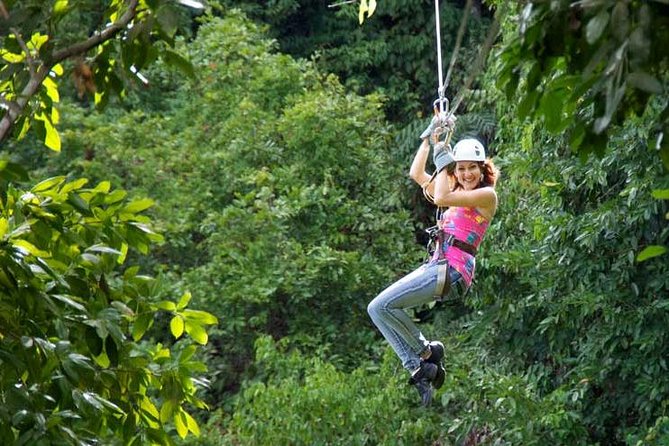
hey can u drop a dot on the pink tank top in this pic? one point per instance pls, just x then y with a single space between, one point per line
467 225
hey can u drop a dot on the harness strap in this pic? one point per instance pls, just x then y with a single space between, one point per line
463 246
448 239
443 281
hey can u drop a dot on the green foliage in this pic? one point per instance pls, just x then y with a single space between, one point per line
39 42
562 289
393 52
303 399
76 365
322 405
584 67
279 194
278 233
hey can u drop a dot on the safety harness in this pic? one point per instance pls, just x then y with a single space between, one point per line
440 240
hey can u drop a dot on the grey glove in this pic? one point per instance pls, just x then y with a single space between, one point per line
434 123
440 121
442 156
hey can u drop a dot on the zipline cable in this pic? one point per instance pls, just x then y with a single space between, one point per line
440 89
478 63
458 42
443 84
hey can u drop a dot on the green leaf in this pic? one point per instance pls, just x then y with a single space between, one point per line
183 302
197 332
166 411
527 104
551 108
177 326
181 424
49 183
73 185
29 248
104 249
662 194
52 91
168 21
200 316
4 227
166 305
650 251
620 21
192 424
69 301
150 412
142 323
137 206
60 7
52 139
78 203
115 196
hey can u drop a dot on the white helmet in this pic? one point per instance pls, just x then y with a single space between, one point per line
469 149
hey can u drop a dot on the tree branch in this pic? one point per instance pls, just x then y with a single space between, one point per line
8 105
99 37
42 70
24 47
3 11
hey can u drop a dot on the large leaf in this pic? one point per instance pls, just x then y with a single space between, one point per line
650 251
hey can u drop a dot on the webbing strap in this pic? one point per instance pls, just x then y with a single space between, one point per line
443 281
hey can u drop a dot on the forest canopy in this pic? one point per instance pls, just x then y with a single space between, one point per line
194 265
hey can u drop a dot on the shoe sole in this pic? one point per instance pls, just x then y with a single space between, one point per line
439 378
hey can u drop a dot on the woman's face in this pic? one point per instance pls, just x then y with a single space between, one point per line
468 174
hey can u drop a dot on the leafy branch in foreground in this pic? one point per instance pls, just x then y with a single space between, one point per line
77 367
127 36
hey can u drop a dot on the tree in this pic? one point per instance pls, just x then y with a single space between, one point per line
77 367
275 189
127 35
583 67
393 53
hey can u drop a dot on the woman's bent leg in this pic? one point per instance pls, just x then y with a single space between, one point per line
387 313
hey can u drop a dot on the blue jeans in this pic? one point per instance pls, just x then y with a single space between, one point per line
387 310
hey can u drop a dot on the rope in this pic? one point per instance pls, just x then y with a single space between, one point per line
478 63
458 41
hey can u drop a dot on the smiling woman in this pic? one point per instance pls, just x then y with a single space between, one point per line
468 190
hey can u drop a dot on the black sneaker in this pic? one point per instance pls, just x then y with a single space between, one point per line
436 355
437 349
422 379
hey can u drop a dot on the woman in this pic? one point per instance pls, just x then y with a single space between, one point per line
469 194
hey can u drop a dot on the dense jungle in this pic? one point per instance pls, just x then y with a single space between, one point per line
198 200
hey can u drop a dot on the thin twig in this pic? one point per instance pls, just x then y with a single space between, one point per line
24 47
345 2
3 11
